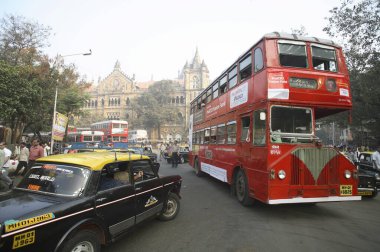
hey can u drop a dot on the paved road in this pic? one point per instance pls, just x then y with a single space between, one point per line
211 219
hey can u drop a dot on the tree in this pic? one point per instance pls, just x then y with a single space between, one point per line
28 79
357 24
152 107
21 40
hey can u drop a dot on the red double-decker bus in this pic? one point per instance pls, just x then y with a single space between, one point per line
254 126
85 137
114 130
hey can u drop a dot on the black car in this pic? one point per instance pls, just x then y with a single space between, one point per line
365 166
183 156
78 202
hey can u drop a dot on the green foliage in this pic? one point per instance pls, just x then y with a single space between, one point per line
153 108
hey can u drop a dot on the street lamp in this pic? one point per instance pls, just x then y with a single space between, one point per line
58 63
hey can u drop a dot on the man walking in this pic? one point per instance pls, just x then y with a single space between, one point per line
5 165
22 159
36 151
175 155
376 158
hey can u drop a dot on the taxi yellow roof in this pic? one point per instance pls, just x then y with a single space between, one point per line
93 160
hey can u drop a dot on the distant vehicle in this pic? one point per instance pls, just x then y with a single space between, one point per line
138 136
183 155
114 130
365 166
79 202
85 137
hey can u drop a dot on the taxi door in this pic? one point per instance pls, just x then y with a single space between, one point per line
114 201
149 195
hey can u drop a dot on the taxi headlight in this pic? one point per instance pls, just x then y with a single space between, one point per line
347 174
281 174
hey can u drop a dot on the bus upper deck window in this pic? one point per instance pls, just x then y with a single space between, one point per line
292 54
324 58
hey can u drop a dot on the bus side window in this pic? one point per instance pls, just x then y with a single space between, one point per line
223 85
231 132
259 63
259 124
245 67
245 123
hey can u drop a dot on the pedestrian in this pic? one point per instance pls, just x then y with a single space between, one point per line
175 155
162 151
376 158
5 165
22 158
350 154
36 151
46 149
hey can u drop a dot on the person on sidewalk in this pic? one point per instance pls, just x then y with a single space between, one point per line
36 151
22 158
5 165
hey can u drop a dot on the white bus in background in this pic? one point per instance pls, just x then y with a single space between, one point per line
138 136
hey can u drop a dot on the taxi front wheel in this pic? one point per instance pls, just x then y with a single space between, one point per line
171 208
82 241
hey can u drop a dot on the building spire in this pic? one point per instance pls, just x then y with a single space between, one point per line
117 65
197 59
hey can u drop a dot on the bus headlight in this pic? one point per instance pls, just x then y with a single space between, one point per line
347 174
281 174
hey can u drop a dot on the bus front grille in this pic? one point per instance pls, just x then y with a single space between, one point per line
312 166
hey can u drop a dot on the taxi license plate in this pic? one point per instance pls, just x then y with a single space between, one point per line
345 190
23 239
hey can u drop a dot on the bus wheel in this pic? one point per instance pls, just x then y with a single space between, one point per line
241 189
197 169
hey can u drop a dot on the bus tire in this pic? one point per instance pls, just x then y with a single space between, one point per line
197 168
241 189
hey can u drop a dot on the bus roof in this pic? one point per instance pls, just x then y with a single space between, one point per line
283 35
110 121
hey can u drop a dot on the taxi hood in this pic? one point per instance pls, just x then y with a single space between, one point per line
18 205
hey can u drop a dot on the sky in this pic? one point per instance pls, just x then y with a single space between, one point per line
153 39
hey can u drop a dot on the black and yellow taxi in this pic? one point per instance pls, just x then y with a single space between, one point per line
79 202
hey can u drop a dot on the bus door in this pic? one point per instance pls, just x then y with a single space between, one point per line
244 140
259 153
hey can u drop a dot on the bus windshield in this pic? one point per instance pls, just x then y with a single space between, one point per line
55 179
291 124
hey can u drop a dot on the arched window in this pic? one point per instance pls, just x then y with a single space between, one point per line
96 103
92 103
177 100
128 101
173 100
118 101
182 100
102 102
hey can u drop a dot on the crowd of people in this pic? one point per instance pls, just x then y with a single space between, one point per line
24 156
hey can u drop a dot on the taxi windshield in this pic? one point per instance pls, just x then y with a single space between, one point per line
55 179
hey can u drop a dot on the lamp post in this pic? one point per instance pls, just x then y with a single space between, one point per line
58 63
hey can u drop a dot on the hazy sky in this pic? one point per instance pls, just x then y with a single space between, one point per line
157 37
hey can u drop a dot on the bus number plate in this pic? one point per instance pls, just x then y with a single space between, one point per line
345 190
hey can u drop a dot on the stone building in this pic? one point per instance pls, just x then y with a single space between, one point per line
111 98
